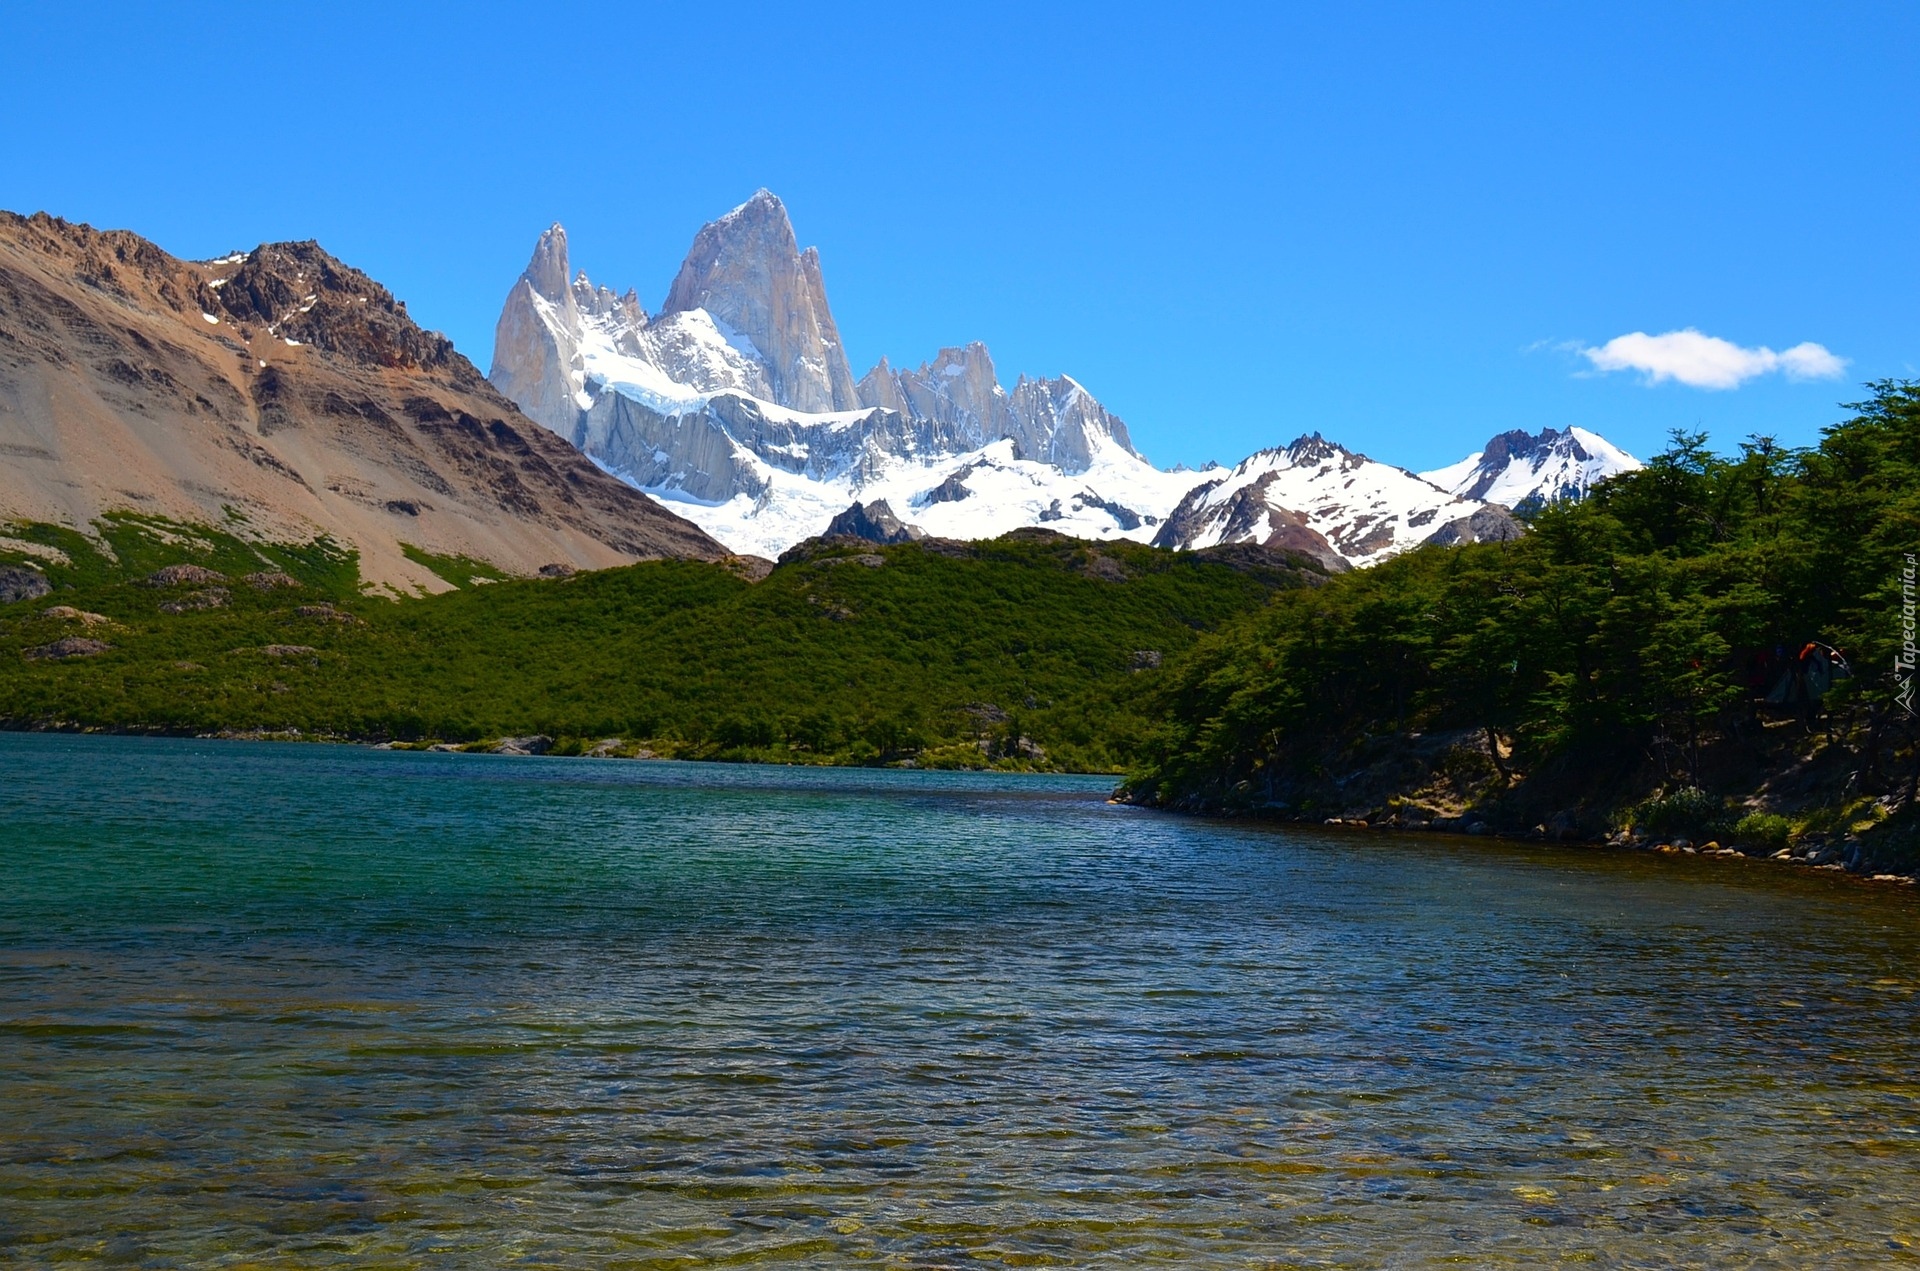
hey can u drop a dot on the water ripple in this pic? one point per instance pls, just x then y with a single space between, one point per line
302 1006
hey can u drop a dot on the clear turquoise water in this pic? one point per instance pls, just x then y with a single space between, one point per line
306 1006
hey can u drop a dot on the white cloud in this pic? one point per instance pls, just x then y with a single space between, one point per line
1706 361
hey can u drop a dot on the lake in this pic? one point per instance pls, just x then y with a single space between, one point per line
280 1005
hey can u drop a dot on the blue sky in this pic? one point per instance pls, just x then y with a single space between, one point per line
1398 224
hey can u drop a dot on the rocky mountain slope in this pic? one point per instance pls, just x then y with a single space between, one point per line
284 392
736 405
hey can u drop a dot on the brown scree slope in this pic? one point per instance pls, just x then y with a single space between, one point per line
289 388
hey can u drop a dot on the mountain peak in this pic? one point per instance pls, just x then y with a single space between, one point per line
762 202
298 292
1518 468
546 273
876 522
747 270
1313 448
738 397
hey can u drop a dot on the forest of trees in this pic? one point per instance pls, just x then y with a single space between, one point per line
1026 652
1685 633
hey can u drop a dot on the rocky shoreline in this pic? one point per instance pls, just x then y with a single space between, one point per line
1844 854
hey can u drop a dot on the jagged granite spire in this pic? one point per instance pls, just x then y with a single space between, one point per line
956 395
547 271
747 270
533 353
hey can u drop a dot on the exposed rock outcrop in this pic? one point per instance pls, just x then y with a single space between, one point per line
1489 524
66 648
183 576
67 613
17 583
195 601
874 522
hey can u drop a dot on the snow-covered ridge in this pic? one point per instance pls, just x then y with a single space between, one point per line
1321 498
1519 469
734 406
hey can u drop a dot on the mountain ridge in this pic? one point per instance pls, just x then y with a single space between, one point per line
730 405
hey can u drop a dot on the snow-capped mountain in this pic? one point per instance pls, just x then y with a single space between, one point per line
1323 499
735 405
1521 470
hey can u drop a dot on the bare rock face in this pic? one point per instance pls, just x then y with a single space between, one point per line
747 270
956 397
957 405
1057 421
532 362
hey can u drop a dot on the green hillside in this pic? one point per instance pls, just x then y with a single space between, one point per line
1033 650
